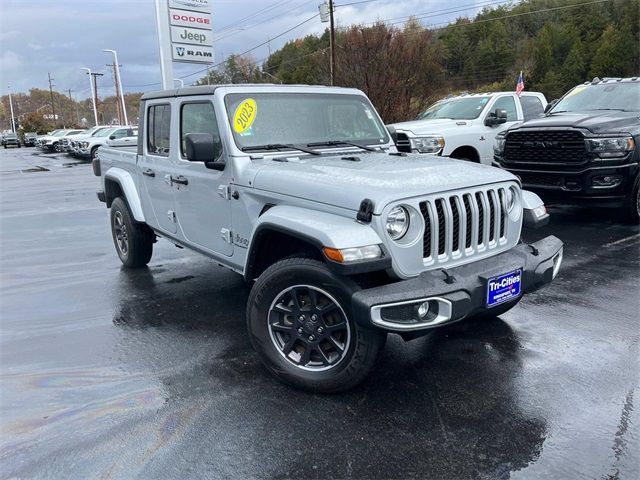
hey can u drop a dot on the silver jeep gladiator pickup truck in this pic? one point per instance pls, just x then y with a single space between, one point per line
302 190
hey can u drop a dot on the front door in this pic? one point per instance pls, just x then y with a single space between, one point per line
155 167
202 200
505 102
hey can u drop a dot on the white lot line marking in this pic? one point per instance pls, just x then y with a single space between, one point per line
622 240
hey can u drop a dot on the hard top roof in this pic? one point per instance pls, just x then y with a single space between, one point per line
210 89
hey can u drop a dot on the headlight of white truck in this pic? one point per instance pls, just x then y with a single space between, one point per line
84 144
611 147
428 144
397 222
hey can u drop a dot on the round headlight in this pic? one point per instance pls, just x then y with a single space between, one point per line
397 222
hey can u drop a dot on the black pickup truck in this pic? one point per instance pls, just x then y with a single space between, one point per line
584 150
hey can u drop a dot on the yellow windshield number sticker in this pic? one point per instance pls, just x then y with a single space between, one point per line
244 115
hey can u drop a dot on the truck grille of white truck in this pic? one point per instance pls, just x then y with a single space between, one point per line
461 224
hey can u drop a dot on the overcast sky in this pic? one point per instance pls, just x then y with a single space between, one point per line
60 37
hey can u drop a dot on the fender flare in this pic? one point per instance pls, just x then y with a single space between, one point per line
128 187
319 229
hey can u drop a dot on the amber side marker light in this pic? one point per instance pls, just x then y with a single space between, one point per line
356 254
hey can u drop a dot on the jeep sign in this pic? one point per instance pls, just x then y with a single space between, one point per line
191 36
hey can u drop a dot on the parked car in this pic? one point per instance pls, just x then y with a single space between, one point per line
72 140
29 139
585 150
52 142
88 147
465 126
10 140
302 190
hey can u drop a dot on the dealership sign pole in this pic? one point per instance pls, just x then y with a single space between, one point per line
184 34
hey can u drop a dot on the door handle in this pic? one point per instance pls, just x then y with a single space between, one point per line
149 173
180 180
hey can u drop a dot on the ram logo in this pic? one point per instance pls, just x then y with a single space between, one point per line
180 51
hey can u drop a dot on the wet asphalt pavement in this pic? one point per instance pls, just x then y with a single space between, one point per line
109 373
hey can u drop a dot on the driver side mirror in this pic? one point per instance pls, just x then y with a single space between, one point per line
496 118
550 105
200 147
112 137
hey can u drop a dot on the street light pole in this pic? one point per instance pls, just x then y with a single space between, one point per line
93 94
332 42
119 91
13 120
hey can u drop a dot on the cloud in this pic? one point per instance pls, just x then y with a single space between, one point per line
40 36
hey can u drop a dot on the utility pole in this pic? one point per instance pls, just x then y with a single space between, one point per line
53 109
76 105
115 82
118 81
93 89
332 41
13 120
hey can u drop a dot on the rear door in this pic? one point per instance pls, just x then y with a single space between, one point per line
202 197
155 166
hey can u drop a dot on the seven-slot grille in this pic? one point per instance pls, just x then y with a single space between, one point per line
555 147
464 222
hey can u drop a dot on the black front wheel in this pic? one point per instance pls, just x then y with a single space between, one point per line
633 206
299 322
133 241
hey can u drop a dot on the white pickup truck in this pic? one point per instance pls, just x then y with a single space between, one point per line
301 189
465 126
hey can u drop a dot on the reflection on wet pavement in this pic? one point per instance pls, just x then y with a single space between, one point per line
114 373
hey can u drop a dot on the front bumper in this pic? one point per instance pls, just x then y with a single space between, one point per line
578 187
461 291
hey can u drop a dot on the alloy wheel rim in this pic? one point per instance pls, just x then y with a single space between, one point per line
120 229
309 328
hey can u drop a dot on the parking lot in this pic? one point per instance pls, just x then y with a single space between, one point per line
112 373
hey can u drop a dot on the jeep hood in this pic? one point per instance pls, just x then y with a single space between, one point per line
596 121
380 177
435 126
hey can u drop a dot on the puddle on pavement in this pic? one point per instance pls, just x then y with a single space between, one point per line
37 168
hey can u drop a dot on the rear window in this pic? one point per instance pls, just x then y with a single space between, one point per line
158 121
531 106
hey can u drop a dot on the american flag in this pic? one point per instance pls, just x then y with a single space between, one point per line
520 85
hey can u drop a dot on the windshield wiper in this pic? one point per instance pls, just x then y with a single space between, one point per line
332 143
280 146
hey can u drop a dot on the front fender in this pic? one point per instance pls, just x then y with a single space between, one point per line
326 229
128 187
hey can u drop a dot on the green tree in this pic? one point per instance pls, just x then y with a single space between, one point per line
615 54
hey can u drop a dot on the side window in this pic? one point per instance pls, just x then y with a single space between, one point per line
508 104
120 133
199 117
158 123
531 106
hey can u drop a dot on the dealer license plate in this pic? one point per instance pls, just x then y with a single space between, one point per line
503 288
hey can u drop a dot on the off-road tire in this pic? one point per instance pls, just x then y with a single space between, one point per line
94 153
360 352
138 236
632 214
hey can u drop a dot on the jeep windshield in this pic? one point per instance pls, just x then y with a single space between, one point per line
300 120
466 108
624 96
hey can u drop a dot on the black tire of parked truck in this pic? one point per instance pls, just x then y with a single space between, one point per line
94 153
133 240
632 213
299 322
